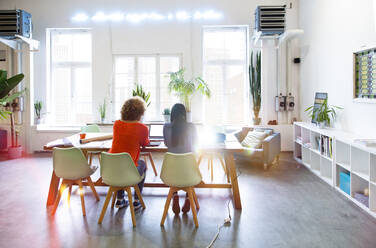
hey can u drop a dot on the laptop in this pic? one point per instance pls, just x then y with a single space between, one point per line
155 134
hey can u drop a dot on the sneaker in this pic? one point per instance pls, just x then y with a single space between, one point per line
121 203
187 206
175 204
137 205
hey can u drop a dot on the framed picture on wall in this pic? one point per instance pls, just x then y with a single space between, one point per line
320 97
364 88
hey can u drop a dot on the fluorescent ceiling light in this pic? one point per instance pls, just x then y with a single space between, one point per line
182 15
116 17
80 17
136 18
207 15
99 16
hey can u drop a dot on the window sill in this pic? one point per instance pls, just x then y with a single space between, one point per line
56 129
364 100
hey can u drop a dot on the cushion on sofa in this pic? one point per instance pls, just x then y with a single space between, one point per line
254 139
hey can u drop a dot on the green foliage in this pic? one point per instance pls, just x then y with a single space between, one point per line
38 107
166 111
6 86
255 82
185 89
102 109
139 91
324 114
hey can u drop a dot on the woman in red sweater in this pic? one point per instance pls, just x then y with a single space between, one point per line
129 135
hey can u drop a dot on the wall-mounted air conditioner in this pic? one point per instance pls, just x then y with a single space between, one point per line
15 22
270 20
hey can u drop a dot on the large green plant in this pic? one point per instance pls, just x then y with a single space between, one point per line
185 89
6 98
324 114
139 91
255 85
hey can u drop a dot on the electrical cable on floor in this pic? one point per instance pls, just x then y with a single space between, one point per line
226 222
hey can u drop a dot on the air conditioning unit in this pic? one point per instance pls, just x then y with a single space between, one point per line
15 22
270 20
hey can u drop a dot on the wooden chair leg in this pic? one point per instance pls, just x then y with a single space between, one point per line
167 205
90 158
195 199
108 197
152 164
61 190
211 168
79 182
69 194
191 199
91 184
137 190
129 192
113 199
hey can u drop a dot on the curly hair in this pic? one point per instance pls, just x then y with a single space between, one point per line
133 109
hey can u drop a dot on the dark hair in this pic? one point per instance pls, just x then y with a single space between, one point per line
133 109
179 124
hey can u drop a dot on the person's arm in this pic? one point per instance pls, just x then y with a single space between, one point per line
145 137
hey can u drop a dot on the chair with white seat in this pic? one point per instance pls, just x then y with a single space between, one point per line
120 173
71 165
181 172
92 128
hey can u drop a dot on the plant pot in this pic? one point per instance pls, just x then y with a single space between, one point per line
37 121
256 121
15 152
102 120
166 118
189 116
322 125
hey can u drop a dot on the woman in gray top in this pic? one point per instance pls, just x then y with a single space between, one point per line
179 137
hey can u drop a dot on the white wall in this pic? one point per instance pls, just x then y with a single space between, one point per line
333 30
147 37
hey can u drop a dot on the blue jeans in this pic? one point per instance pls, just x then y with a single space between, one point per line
142 170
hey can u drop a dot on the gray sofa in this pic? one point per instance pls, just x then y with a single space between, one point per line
270 150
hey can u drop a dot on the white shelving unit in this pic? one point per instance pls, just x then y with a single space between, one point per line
344 155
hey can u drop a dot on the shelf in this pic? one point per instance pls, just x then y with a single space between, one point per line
327 179
315 151
345 166
327 158
298 142
361 175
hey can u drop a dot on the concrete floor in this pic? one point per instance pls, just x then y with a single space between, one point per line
286 206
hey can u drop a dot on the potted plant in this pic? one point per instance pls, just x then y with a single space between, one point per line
38 107
255 86
102 110
324 115
184 89
139 91
166 115
6 101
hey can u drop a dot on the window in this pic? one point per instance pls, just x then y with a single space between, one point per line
70 87
150 71
225 56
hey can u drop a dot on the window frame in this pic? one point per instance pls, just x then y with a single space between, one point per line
246 94
136 56
50 65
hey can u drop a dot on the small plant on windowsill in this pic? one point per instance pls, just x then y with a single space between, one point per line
324 115
139 91
102 110
38 107
166 115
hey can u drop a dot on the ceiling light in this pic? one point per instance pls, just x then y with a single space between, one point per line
182 15
99 16
81 17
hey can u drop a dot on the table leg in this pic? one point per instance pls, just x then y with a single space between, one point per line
54 187
230 164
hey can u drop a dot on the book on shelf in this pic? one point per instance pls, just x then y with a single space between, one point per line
326 146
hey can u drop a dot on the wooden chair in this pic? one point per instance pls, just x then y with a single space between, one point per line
93 128
71 165
120 173
147 155
180 172
211 156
